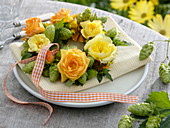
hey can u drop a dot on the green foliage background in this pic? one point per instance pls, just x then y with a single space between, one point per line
100 4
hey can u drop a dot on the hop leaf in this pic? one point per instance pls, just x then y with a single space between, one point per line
160 99
141 109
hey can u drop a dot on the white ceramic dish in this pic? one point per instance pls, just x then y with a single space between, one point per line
124 85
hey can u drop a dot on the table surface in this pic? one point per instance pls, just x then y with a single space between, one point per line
14 115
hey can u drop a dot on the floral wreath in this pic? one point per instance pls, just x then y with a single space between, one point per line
72 64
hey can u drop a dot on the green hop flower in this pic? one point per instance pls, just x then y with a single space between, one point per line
28 67
153 122
53 73
126 122
141 109
65 34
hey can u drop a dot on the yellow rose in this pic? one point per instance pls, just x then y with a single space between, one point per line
101 48
91 29
37 42
73 64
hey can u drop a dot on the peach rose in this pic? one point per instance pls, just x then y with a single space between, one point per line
62 14
73 64
33 26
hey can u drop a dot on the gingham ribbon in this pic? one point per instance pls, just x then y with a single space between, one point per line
55 96
20 101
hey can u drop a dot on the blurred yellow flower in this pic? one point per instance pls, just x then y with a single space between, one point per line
37 42
101 48
122 4
91 29
142 11
160 25
155 2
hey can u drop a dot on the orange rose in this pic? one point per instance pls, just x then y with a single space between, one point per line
73 64
62 14
33 26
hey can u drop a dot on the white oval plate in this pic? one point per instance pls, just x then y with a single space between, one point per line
124 85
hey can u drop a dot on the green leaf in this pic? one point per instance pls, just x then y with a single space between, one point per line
26 56
69 83
24 51
112 33
25 44
91 61
138 117
66 47
165 123
105 71
59 25
143 124
164 113
103 19
53 47
160 99
118 42
56 38
99 77
109 76
77 83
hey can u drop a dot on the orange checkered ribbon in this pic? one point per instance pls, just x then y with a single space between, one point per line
55 96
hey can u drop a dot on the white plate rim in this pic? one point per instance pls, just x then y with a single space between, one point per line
78 105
